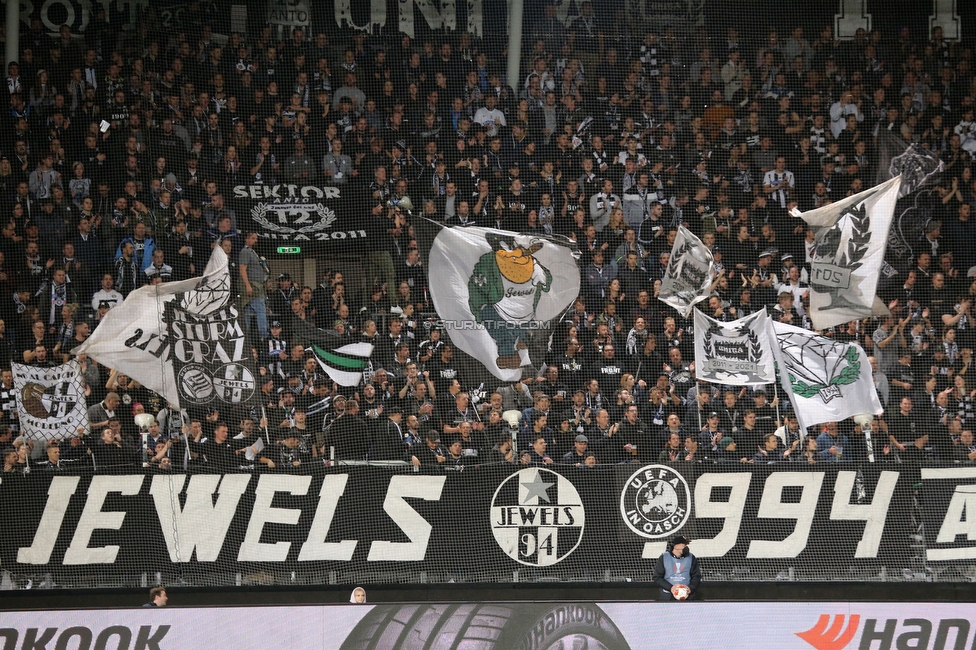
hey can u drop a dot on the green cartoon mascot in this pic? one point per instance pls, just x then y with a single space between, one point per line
503 292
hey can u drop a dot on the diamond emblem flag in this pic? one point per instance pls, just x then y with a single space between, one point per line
827 381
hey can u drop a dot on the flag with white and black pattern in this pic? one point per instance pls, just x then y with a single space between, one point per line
50 401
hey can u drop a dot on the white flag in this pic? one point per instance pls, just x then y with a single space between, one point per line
50 401
736 353
490 287
827 381
688 278
847 258
183 340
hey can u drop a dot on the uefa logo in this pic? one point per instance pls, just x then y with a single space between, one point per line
656 501
537 517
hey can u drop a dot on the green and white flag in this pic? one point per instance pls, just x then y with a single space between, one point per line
737 353
827 381
848 254
343 362
688 278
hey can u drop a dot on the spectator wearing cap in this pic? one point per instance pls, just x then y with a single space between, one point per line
292 449
430 453
762 280
728 452
711 432
790 434
280 299
456 455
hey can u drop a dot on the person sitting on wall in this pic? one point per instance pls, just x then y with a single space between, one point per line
677 566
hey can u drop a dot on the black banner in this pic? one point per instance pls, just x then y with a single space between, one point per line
370 524
949 513
308 217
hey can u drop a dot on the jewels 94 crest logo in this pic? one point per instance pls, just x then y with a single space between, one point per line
656 501
537 517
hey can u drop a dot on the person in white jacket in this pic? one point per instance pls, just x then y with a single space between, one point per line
602 204
847 105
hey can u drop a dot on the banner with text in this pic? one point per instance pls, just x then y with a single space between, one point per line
293 215
549 523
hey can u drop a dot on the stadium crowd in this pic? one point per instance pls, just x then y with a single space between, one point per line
119 160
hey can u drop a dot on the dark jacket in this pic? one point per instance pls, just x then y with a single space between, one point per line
658 576
350 438
387 442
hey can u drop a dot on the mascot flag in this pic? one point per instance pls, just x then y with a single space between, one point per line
848 255
50 401
827 381
492 287
735 353
184 340
690 273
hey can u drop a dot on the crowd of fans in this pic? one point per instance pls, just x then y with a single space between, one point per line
119 161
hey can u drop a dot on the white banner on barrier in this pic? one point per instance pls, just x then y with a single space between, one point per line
728 625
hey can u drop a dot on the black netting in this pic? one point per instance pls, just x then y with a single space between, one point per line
326 161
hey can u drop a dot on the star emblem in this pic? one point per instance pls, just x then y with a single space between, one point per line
536 488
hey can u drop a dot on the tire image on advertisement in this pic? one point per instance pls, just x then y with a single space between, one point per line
522 626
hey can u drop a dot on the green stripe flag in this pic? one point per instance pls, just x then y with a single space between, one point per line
343 362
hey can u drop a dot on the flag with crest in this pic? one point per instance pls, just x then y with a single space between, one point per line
688 278
848 255
50 401
735 353
184 340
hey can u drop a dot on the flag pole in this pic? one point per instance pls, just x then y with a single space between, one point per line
698 406
186 443
267 436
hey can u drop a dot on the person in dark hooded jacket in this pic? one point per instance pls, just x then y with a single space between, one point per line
677 566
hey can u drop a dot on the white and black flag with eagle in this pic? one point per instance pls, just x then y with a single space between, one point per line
688 278
736 353
50 401
848 255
